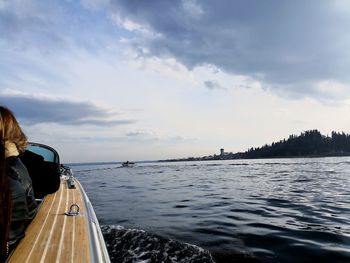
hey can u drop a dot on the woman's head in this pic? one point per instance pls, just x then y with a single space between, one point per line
10 129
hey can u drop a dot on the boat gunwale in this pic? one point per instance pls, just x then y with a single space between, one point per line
98 249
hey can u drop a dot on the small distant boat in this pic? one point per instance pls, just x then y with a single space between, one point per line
128 164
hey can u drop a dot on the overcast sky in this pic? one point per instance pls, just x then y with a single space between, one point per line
108 80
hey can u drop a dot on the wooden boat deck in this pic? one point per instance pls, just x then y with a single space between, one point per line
54 237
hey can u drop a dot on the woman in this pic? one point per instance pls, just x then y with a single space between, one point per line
18 206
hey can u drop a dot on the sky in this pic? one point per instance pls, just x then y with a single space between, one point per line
112 80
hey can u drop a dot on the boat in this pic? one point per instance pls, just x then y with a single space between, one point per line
65 228
128 164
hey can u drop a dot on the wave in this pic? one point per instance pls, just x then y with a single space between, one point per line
132 245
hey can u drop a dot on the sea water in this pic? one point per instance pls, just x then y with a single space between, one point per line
267 210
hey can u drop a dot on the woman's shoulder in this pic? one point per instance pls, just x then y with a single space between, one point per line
14 162
16 169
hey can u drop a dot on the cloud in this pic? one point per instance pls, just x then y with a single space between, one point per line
213 85
54 26
288 46
39 109
157 136
23 22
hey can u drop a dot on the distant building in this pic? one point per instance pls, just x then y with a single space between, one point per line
222 151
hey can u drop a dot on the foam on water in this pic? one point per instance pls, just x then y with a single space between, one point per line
132 245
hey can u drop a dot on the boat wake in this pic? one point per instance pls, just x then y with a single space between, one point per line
131 245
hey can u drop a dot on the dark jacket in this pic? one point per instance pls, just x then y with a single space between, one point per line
24 206
45 175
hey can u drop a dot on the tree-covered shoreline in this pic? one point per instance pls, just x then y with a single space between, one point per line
308 144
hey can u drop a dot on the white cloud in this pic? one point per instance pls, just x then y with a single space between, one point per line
163 66
193 8
332 89
132 26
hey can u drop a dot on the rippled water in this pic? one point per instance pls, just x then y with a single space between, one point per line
280 210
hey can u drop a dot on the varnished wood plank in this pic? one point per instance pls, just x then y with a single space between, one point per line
52 246
81 241
66 242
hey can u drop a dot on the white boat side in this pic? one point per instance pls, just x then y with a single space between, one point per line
98 250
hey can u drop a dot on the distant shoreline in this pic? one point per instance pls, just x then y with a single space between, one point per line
197 159
309 144
193 159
